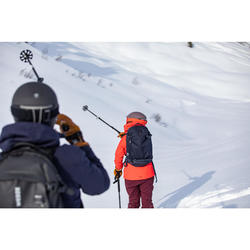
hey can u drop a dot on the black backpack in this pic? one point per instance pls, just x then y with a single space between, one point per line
29 178
138 146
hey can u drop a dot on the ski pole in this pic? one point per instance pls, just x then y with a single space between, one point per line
86 108
119 190
26 56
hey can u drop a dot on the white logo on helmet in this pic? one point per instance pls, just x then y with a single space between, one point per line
36 95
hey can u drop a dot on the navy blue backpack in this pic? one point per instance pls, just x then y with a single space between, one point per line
138 146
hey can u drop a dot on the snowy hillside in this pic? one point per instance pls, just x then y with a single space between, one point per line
197 101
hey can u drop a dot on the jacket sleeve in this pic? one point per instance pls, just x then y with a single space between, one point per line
119 153
81 167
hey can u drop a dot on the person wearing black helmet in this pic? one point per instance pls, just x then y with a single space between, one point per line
35 102
35 110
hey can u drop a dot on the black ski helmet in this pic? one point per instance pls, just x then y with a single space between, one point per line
35 102
137 115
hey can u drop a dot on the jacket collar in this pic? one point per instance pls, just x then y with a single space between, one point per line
133 122
39 134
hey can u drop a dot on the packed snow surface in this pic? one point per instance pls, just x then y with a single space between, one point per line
197 101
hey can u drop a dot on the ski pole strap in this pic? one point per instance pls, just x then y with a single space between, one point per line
116 180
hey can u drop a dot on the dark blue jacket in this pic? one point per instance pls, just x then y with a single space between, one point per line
78 167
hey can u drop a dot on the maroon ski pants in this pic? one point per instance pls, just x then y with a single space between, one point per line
140 189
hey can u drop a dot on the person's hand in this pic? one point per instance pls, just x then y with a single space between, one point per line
70 130
121 134
117 173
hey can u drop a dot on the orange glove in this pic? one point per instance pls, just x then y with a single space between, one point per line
121 134
117 173
70 130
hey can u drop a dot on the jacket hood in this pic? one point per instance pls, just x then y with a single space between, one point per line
36 133
132 122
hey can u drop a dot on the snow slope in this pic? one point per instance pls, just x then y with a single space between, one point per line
197 102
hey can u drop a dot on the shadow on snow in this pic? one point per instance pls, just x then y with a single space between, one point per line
62 48
181 193
89 68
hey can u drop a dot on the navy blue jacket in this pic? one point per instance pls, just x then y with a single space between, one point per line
78 167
